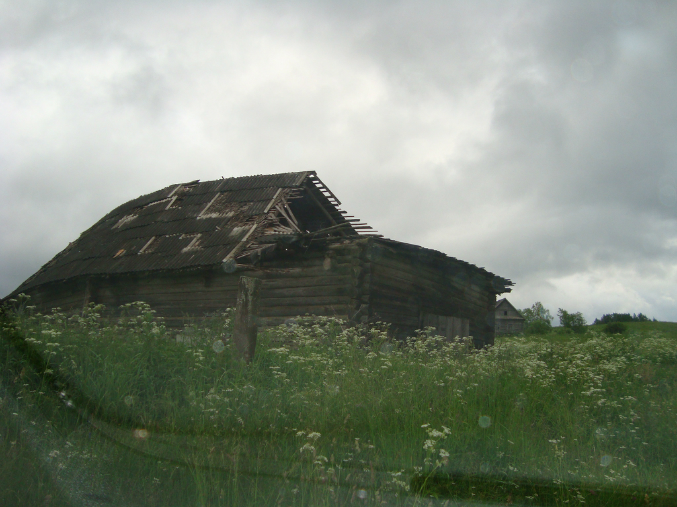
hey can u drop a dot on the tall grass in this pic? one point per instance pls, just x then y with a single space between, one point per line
329 414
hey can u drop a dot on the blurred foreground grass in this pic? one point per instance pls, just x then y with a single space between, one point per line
95 412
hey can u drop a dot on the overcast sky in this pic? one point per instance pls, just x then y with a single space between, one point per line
536 139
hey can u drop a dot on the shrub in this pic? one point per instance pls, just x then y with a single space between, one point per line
538 327
615 328
536 319
574 321
608 318
536 313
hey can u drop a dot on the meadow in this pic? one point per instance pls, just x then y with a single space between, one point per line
97 411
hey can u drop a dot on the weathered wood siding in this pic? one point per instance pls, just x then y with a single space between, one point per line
316 282
68 295
361 280
406 283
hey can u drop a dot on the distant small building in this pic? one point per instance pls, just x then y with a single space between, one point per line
508 319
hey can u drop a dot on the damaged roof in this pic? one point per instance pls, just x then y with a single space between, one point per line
200 224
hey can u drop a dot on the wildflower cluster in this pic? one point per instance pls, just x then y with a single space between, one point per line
345 400
434 456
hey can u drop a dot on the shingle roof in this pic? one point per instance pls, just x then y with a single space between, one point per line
193 224
201 224
505 300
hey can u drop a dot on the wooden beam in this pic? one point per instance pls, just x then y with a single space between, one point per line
246 311
233 253
322 208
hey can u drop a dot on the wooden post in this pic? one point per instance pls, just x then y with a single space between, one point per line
246 311
88 293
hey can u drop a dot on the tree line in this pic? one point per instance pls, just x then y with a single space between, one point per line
537 320
608 318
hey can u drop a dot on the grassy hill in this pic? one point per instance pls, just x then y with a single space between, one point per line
669 329
329 414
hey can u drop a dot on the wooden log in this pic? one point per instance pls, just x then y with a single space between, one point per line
87 293
449 304
281 281
306 262
427 272
65 302
181 291
392 287
432 265
294 311
302 272
310 281
309 291
179 280
397 319
246 311
408 280
305 301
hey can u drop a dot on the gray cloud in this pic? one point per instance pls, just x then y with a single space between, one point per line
535 139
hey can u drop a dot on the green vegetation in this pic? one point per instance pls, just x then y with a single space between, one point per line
574 321
536 319
539 327
622 317
329 414
615 328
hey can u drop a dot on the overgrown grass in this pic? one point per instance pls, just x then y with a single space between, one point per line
332 414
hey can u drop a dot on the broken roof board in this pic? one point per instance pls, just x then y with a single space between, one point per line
200 224
183 226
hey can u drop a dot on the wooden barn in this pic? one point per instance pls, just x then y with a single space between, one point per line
183 249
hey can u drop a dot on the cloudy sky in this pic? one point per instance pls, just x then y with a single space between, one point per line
536 139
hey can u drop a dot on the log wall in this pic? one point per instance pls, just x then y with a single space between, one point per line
407 284
316 282
360 280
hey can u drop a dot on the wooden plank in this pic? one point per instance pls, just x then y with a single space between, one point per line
392 287
426 272
282 281
409 281
305 262
320 295
397 319
448 304
310 192
310 291
305 301
301 272
169 290
152 278
218 281
310 281
246 312
65 302
394 307
293 311
433 270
